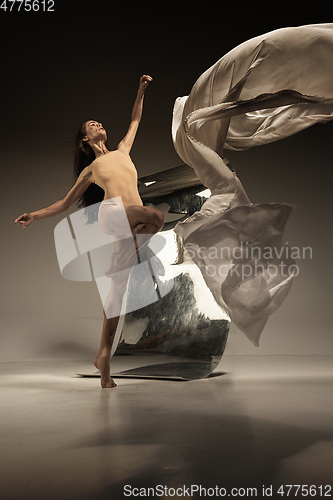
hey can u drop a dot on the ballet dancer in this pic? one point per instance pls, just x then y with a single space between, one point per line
121 213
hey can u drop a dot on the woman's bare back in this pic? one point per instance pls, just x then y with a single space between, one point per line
116 174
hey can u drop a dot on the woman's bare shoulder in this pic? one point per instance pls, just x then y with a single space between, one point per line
88 171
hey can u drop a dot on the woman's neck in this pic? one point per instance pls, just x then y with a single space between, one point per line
99 149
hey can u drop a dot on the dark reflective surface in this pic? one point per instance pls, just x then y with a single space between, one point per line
183 334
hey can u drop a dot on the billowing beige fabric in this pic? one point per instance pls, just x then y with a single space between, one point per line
267 88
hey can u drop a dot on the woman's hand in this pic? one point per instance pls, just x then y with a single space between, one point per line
144 82
25 220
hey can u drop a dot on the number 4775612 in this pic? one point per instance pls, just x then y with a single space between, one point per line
305 490
27 5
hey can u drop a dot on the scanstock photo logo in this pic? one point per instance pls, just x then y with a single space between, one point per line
86 253
249 260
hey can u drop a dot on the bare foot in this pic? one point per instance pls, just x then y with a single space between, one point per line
102 363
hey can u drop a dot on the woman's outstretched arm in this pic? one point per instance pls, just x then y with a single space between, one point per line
126 144
82 183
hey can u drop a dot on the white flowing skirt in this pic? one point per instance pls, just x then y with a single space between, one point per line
267 88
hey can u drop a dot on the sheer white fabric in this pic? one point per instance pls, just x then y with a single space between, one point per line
267 88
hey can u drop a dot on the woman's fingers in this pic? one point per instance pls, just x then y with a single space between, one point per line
23 220
145 79
19 219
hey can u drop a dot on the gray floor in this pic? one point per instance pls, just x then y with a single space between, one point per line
260 420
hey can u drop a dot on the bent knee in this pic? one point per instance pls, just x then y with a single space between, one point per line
156 222
150 220
159 219
155 219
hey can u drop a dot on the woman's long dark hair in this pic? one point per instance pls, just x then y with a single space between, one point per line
84 155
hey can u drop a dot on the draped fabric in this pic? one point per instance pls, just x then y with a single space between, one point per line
267 88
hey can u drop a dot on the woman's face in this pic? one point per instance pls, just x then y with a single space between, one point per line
95 131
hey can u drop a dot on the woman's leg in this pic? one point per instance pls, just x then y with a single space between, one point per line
111 312
144 222
102 358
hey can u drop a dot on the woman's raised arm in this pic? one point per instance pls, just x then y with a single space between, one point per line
126 144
